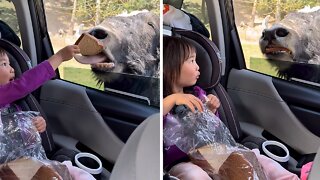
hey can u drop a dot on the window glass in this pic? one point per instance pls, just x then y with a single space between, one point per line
8 15
198 9
131 44
280 37
194 16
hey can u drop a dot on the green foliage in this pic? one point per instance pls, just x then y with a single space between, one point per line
269 7
8 15
198 9
195 9
86 9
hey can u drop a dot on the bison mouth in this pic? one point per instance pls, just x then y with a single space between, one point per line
103 61
275 50
278 52
106 61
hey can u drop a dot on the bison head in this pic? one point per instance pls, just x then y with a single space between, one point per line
131 46
295 38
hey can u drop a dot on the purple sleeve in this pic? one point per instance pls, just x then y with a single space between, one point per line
26 83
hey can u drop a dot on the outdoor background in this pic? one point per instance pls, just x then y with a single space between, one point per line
250 17
67 19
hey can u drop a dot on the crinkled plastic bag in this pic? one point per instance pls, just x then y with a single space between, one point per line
19 137
210 145
21 150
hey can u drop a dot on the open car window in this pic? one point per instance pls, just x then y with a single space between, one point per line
8 16
130 33
280 38
188 14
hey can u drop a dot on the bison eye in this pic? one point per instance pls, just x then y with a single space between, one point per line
99 33
151 24
281 32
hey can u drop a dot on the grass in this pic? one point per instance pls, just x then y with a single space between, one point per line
81 76
256 61
262 65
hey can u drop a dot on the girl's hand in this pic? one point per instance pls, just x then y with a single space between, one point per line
68 52
63 54
190 101
39 123
213 103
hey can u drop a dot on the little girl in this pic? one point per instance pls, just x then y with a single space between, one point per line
12 89
180 70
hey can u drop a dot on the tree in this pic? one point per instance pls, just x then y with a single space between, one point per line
279 8
253 13
278 13
93 11
73 17
97 19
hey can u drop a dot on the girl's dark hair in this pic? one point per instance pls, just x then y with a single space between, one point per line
2 52
175 51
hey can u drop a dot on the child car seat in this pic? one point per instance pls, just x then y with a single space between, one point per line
8 34
20 62
209 61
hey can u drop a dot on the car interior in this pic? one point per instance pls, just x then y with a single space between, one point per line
79 118
267 108
121 130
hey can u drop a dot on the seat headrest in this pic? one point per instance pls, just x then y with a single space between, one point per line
19 60
208 57
8 34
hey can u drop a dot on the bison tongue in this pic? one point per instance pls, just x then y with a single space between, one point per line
90 59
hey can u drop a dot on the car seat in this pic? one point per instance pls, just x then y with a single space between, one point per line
20 62
209 61
139 158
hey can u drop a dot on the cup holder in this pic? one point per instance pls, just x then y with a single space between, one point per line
89 163
276 151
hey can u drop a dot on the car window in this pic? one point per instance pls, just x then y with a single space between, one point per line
129 30
188 14
8 15
199 10
279 38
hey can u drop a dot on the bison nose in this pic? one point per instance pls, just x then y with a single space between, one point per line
281 32
268 35
99 33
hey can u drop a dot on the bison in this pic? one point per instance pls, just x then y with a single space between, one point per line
131 55
292 46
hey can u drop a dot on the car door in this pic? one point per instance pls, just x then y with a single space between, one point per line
269 104
82 113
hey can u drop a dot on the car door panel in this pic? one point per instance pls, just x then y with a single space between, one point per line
258 102
303 102
120 114
71 113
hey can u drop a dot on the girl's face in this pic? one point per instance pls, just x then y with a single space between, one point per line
189 72
6 71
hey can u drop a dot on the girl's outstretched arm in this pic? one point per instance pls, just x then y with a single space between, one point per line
63 54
